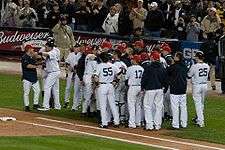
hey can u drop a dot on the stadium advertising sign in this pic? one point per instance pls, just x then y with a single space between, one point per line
15 39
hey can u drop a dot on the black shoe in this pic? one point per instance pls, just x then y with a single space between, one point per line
213 87
103 126
116 126
194 120
36 106
66 105
83 114
27 108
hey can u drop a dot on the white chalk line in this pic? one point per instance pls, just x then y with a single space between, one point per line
96 135
132 134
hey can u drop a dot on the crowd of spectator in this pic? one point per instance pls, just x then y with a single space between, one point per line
189 20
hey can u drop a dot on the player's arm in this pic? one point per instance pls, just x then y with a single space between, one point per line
190 74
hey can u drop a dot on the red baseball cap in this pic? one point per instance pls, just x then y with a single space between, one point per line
121 47
144 56
136 58
27 47
139 43
166 48
88 49
106 45
155 55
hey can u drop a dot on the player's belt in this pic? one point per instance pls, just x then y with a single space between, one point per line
203 83
135 85
105 82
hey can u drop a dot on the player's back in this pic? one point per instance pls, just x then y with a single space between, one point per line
199 73
134 75
106 72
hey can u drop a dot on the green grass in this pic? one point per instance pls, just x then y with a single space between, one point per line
65 143
11 97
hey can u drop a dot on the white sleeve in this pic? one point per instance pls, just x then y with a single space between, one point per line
127 74
116 69
68 59
52 54
97 72
191 72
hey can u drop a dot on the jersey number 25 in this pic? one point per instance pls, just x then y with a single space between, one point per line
203 72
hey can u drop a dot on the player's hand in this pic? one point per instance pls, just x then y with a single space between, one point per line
82 83
141 93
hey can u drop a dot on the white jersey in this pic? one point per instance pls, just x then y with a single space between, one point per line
106 72
134 75
123 68
52 61
90 64
163 62
199 73
72 59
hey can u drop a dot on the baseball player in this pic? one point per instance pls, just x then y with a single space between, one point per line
120 90
177 74
134 75
71 62
29 77
105 74
166 52
90 69
153 82
52 55
199 75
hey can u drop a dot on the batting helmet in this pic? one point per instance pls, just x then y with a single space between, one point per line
50 42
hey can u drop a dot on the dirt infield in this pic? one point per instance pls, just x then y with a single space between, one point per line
33 124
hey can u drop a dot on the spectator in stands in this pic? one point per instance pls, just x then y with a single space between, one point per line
210 23
82 15
70 9
167 8
210 49
97 17
110 25
20 4
53 16
177 12
181 29
193 30
43 10
10 17
64 38
138 15
154 20
27 15
124 23
221 12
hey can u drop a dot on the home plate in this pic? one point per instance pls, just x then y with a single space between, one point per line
7 119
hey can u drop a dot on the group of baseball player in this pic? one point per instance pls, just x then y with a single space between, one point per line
119 84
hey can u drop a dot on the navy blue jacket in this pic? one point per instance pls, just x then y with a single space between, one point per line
27 73
177 78
154 77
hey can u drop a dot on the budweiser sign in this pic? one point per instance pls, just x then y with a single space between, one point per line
21 37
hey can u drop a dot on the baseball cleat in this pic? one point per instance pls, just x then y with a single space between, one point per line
103 126
27 108
66 105
116 126
43 109
36 106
